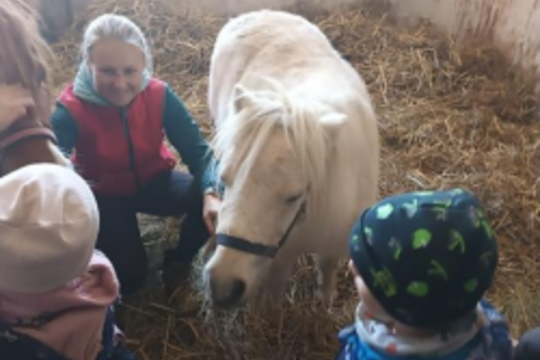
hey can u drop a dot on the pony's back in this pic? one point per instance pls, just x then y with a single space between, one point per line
290 50
282 46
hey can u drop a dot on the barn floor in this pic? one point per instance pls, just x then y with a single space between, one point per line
448 117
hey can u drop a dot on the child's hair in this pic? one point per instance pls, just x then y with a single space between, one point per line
24 55
117 27
427 257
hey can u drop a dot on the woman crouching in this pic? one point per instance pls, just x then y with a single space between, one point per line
113 119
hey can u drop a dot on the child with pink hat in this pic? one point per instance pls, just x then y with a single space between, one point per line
56 292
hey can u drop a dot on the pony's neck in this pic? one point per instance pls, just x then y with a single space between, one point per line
31 151
29 121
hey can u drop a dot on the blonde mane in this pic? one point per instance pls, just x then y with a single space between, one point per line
246 133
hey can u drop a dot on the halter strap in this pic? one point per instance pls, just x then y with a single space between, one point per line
259 249
26 134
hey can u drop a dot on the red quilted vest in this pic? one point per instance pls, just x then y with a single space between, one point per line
120 150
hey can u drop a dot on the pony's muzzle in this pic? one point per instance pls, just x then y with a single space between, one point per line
227 293
233 269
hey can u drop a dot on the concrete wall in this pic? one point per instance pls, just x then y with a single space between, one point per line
512 24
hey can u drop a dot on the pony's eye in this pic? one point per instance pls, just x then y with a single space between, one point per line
225 180
294 198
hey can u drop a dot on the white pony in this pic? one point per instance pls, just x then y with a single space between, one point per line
298 144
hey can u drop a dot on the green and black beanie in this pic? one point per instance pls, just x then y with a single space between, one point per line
427 257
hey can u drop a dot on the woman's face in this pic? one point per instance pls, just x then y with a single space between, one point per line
117 69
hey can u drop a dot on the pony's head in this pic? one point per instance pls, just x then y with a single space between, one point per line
272 151
24 56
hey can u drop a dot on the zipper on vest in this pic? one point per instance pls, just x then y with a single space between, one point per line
131 150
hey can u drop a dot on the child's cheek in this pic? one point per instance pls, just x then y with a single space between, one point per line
372 307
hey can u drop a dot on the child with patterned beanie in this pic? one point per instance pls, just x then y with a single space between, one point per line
528 347
56 292
422 263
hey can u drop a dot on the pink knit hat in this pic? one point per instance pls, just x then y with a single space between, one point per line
49 224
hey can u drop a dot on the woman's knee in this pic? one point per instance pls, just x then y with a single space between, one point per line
528 347
132 283
128 256
131 272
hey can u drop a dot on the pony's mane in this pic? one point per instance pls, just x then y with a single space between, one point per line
25 55
246 133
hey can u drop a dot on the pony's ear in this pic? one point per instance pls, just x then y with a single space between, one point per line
242 98
333 121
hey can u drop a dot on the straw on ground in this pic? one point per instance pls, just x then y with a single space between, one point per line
448 117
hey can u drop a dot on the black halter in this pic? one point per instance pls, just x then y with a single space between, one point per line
259 249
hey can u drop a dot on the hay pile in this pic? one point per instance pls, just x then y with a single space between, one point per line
447 118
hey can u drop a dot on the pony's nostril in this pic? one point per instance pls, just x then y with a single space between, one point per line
229 294
237 290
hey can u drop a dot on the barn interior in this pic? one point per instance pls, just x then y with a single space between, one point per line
451 113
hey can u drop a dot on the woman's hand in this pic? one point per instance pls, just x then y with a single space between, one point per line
211 206
15 102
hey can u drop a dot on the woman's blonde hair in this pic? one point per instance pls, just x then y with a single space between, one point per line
24 55
117 27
